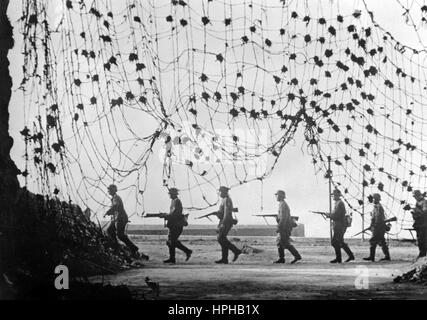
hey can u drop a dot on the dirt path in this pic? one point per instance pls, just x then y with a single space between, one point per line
253 276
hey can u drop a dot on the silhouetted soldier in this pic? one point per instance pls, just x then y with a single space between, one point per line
119 219
284 229
419 215
378 228
338 217
226 222
175 222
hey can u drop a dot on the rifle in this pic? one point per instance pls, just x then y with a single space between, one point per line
215 213
325 215
272 215
369 228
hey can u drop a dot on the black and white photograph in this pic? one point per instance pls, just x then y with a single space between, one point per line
225 151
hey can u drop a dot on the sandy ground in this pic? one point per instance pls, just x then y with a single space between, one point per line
254 276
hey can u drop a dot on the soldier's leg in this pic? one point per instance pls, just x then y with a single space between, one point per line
372 249
294 252
171 247
385 249
233 248
222 240
422 241
178 243
419 241
121 226
228 245
280 250
346 249
287 245
336 245
111 232
425 242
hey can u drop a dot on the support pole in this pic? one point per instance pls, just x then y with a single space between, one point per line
330 192
363 204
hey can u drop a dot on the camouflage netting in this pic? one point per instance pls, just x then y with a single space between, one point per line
417 274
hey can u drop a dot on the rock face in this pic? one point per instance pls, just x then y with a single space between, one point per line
8 171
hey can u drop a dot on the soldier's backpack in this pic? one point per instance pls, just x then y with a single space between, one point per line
294 224
183 222
186 219
348 219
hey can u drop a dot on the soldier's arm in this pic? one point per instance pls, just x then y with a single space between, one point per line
226 210
381 216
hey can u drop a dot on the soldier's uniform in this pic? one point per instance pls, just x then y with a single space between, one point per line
175 223
284 229
420 225
225 224
118 223
378 228
338 217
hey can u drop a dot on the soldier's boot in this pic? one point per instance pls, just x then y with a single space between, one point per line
281 252
349 253
188 254
338 258
295 253
371 254
183 248
386 253
236 251
224 259
237 254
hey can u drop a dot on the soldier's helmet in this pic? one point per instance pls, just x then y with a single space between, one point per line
417 193
173 191
280 192
112 187
376 196
223 189
337 192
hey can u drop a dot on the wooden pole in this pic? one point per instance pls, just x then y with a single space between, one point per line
363 204
330 192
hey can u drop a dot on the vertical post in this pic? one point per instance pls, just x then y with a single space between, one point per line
363 204
330 192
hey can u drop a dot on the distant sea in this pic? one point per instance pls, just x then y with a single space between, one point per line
210 230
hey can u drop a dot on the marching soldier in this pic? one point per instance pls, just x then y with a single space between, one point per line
175 223
284 228
420 222
226 222
119 219
338 216
378 228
